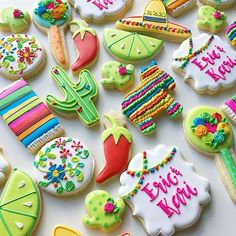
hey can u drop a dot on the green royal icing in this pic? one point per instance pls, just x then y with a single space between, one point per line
20 205
14 20
99 216
79 96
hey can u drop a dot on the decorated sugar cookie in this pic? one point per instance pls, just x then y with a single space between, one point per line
206 62
52 17
178 7
4 167
20 205
79 97
27 116
14 19
116 75
154 21
150 98
219 4
104 212
117 143
61 230
86 42
130 46
229 108
21 56
99 11
209 132
63 166
231 33
163 190
209 19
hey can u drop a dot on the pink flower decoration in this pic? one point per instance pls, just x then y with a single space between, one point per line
211 128
122 70
17 13
50 5
109 207
217 15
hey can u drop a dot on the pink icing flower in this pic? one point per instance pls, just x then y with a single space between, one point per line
50 5
122 70
17 13
217 15
211 128
109 207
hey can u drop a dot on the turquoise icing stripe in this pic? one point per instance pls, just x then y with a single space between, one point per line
40 131
155 19
17 103
15 96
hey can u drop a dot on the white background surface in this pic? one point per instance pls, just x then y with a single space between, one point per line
217 219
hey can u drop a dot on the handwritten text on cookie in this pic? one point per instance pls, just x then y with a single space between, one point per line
101 4
207 62
170 203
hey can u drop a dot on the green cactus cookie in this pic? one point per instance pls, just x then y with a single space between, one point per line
79 96
209 19
117 75
104 212
14 20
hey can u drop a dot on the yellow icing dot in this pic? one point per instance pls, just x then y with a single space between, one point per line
224 127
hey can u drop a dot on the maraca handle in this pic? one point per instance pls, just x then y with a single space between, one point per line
57 42
228 173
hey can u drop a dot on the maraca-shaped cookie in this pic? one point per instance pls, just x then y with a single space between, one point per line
52 17
209 132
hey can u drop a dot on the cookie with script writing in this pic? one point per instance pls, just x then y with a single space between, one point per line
206 62
163 190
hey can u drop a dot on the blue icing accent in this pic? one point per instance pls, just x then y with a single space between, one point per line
232 35
40 131
17 103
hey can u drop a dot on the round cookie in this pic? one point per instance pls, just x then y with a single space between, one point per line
209 19
209 132
104 212
219 4
63 166
14 19
21 56
20 205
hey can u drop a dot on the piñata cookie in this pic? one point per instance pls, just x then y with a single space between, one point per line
229 108
14 19
104 212
20 205
163 190
206 62
209 132
100 11
64 166
231 34
27 116
151 98
21 56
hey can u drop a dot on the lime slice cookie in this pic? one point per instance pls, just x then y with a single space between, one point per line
64 166
130 46
20 205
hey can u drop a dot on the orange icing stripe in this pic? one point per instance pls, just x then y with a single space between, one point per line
176 4
57 45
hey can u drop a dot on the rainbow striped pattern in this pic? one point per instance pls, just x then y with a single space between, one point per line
150 98
27 116
231 33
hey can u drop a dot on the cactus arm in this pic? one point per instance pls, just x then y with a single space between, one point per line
4 24
78 97
107 82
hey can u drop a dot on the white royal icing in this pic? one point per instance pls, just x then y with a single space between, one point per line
98 9
163 212
4 167
211 69
20 54
64 166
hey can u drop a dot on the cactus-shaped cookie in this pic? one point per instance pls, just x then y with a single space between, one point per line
210 19
104 212
14 20
150 98
79 96
117 75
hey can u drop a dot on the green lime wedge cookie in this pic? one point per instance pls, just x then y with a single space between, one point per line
130 46
20 205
